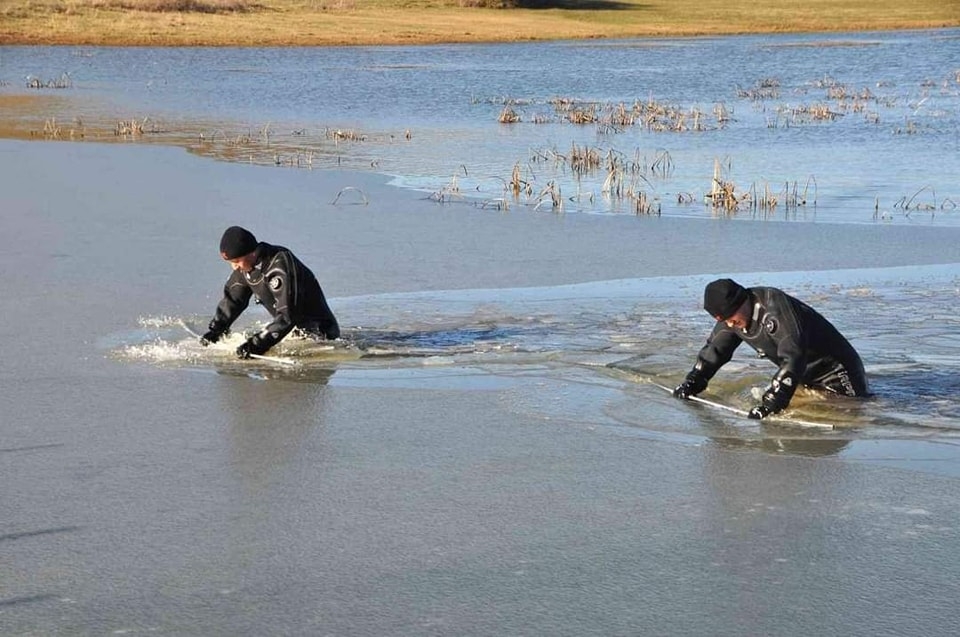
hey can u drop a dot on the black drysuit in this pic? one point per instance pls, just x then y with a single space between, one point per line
806 347
286 288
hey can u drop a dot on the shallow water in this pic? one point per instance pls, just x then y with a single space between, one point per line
472 460
486 451
888 152
616 335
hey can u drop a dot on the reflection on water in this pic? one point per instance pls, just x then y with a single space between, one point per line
312 375
793 446
271 424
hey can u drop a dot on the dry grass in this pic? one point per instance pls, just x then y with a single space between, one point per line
349 22
178 6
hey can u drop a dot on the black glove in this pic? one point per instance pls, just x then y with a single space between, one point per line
253 346
692 385
759 412
214 333
777 396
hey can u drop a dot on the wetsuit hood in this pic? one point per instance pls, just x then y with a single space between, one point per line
723 297
237 242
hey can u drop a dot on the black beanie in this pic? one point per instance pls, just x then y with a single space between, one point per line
723 297
237 242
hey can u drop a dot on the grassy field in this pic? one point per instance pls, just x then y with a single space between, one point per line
355 22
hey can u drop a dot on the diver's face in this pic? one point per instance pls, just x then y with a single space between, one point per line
741 318
244 263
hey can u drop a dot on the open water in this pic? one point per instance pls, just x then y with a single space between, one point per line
841 127
486 453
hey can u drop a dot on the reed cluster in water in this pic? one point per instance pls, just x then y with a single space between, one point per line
626 181
613 118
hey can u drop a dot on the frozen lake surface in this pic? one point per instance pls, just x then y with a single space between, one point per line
485 454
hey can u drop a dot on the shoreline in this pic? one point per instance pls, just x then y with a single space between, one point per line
243 40
272 23
299 142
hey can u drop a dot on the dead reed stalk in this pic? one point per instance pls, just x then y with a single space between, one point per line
51 130
584 160
518 184
722 196
550 192
662 165
908 205
363 196
508 116
450 191
131 128
63 81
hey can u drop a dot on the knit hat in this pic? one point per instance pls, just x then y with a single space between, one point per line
237 242
723 297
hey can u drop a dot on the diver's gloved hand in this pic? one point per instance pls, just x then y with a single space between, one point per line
777 396
253 346
692 385
759 412
214 333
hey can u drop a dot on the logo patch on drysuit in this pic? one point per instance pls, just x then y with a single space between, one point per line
275 283
770 324
777 383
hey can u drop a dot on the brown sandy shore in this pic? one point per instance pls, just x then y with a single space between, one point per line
374 22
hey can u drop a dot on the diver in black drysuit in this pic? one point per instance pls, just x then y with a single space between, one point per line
807 348
280 282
